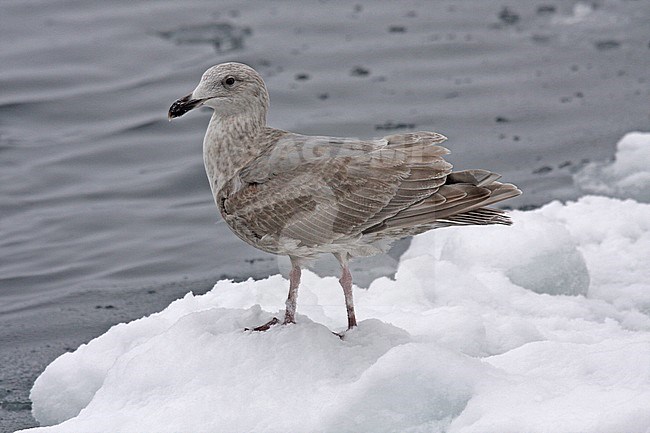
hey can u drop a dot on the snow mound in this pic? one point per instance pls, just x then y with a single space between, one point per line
628 176
542 326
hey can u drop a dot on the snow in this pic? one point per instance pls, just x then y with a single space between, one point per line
628 176
543 326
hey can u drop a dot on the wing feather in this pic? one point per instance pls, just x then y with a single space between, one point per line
319 191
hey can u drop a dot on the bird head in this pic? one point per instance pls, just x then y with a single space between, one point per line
230 89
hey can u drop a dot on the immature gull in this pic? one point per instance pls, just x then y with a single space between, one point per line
302 196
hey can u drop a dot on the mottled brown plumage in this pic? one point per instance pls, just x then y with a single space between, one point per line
302 196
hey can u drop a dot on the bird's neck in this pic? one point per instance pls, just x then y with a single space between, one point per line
228 144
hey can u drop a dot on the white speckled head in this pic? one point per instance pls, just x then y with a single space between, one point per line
231 89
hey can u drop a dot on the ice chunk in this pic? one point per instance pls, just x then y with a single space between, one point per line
536 253
474 334
614 237
628 176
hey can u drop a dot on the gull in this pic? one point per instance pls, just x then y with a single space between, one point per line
302 196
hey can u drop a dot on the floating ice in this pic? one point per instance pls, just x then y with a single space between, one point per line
542 326
628 176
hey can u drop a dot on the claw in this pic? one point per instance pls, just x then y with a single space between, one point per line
266 326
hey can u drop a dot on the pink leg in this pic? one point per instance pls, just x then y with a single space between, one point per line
290 313
294 282
346 283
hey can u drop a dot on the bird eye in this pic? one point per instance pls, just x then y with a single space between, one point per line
229 81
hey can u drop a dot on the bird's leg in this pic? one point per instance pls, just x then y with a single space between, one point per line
346 283
290 312
294 282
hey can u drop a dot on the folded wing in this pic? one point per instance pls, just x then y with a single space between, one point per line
319 191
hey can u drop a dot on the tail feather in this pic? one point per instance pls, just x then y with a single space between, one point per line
473 177
462 200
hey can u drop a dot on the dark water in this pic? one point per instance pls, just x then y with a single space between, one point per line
105 211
